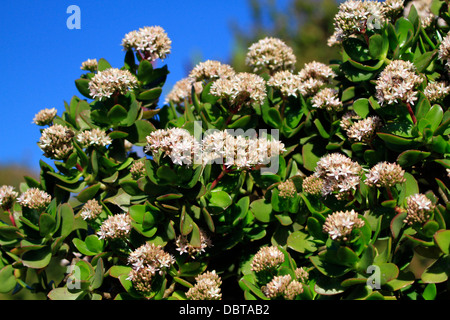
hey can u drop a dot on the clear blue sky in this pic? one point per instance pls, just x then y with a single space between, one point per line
41 57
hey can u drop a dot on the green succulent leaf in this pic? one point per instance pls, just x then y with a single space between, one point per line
151 94
262 210
7 279
442 239
37 259
83 87
301 242
47 224
409 158
88 193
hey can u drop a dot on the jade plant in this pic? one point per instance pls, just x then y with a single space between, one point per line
329 182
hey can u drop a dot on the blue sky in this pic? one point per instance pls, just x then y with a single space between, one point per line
41 57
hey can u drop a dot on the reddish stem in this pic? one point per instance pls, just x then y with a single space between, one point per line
142 56
79 167
220 176
411 112
11 217
389 193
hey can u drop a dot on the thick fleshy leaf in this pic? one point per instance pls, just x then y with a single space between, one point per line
151 94
378 45
7 279
301 242
361 107
328 269
219 201
88 193
117 114
37 259
397 224
47 224
83 87
82 247
67 219
64 294
442 239
411 157
262 210
186 223
356 49
438 272
116 271
94 244
423 61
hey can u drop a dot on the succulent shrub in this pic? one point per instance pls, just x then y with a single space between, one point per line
326 182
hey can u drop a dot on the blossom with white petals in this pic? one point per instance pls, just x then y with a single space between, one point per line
207 287
340 225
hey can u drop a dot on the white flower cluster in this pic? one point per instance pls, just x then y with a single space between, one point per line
327 99
117 226
94 137
287 189
339 174
176 143
313 185
207 287
313 76
182 90
89 65
419 209
364 130
272 54
391 8
211 70
444 50
152 42
353 17
56 142
150 256
436 91
45 117
34 198
385 174
7 196
91 209
340 224
283 286
267 258
110 82
397 83
216 147
287 82
348 119
242 88
137 169
146 261
239 151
